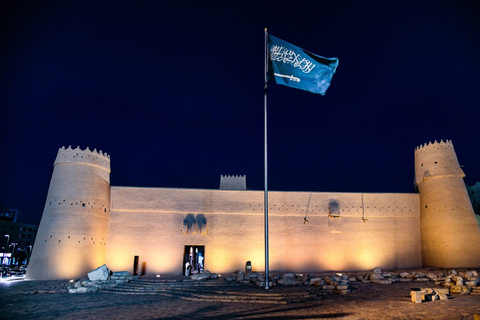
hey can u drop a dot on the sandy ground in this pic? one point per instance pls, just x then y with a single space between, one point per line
366 301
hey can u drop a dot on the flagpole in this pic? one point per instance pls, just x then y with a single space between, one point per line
267 278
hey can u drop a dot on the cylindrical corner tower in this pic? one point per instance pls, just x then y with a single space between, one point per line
72 236
449 229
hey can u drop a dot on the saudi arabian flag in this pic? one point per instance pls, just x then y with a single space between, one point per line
295 67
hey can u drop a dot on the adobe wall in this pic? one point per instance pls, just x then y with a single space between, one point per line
370 230
450 231
72 235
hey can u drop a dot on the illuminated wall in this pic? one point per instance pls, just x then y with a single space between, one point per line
308 231
72 235
87 223
450 232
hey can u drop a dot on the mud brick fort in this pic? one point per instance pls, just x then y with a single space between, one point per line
87 223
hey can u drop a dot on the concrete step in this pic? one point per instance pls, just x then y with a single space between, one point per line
205 291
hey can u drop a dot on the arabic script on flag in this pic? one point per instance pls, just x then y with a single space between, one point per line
285 55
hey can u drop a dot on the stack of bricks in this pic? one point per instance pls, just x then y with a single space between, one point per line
475 290
428 294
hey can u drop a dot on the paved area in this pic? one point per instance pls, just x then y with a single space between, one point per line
49 300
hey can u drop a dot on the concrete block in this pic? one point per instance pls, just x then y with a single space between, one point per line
442 296
471 273
240 275
416 296
121 274
288 281
304 278
317 282
442 290
341 291
121 281
428 296
342 287
460 289
431 275
89 289
384 281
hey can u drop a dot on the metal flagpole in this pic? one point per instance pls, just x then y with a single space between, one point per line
267 279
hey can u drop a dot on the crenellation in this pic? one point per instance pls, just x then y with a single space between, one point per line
233 182
429 228
446 212
427 147
77 206
436 160
86 157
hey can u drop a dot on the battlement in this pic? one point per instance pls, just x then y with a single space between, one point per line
233 182
435 145
87 157
437 159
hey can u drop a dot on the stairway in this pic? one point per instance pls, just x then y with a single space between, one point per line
211 291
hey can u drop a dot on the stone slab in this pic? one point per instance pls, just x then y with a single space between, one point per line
101 273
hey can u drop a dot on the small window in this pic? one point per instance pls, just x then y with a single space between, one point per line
333 209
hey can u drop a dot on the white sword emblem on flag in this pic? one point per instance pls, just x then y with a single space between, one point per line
289 77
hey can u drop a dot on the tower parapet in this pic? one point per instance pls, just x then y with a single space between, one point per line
437 159
450 232
87 157
233 182
73 232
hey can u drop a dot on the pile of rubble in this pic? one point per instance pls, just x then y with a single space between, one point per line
99 278
328 284
464 282
461 282
457 282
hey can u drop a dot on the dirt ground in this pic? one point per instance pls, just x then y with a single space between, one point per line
365 301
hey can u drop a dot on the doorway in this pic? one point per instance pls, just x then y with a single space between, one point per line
193 259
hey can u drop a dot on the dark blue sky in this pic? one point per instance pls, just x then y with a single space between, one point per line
173 91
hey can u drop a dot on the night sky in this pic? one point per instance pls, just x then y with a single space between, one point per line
173 91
